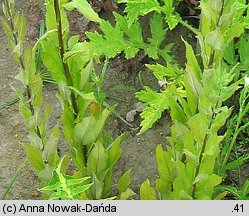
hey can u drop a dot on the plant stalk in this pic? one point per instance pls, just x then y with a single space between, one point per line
62 52
197 171
212 55
65 66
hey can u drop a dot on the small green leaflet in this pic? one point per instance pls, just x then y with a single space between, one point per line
134 32
215 40
123 186
169 10
147 192
136 8
158 34
111 44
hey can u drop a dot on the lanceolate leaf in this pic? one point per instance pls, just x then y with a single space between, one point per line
215 40
123 186
50 153
238 162
52 60
127 194
80 189
87 131
7 29
97 187
124 182
115 151
35 157
97 160
205 187
177 113
192 64
21 27
165 165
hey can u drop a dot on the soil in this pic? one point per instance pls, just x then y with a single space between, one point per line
121 81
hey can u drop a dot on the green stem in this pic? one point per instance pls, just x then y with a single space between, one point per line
62 52
212 55
66 68
197 171
191 28
103 73
39 51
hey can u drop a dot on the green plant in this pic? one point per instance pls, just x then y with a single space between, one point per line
235 127
187 167
65 187
46 78
71 65
128 38
230 158
41 151
197 159
239 193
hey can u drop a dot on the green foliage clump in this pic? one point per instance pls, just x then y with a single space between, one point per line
65 187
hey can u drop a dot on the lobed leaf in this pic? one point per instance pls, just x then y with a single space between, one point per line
156 104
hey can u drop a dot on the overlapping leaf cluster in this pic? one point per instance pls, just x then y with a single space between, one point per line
187 168
128 38
136 8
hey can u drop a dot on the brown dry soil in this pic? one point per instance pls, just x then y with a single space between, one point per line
121 81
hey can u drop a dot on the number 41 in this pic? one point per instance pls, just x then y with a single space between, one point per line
238 208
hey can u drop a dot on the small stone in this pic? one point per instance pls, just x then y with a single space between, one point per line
139 106
130 116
